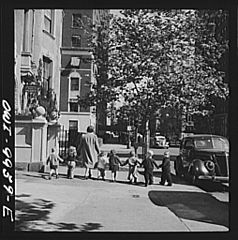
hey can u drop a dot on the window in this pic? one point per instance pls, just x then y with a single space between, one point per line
203 143
47 74
26 30
189 144
74 84
77 20
73 125
73 107
48 20
76 41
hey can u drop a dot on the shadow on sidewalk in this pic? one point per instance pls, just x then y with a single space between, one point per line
34 216
87 227
196 206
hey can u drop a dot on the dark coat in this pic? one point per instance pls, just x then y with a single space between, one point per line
149 164
165 165
114 162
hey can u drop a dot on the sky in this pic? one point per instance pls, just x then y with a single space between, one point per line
116 12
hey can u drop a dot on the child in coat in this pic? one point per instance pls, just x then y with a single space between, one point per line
148 165
101 164
71 162
133 162
114 163
166 175
53 159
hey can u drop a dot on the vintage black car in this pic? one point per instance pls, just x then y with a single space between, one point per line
203 156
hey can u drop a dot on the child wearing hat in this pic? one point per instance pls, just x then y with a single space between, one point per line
71 162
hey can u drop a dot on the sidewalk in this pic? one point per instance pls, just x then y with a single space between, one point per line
92 205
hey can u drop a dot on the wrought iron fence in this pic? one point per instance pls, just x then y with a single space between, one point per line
68 138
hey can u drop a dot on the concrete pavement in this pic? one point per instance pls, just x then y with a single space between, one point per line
92 205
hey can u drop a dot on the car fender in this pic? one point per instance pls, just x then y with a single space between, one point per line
198 167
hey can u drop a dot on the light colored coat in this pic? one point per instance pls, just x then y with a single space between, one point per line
89 149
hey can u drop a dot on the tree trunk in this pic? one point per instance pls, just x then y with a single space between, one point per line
136 140
146 144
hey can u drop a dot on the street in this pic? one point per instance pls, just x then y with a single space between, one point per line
93 205
123 151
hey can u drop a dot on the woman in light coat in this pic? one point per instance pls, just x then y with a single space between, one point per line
89 150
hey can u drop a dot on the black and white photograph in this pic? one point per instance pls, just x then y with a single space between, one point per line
119 120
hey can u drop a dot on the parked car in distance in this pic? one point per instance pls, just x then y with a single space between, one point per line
159 141
203 156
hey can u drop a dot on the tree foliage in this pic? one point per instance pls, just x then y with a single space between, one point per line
152 59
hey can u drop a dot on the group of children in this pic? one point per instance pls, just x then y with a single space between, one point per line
53 160
114 163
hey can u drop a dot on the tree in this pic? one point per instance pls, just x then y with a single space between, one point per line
162 59
101 93
167 59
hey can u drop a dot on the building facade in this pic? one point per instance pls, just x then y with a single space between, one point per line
37 55
37 40
77 67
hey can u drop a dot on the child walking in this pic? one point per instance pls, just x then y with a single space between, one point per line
166 175
148 165
101 164
71 162
114 163
54 160
133 162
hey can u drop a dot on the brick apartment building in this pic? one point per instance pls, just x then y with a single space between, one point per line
77 67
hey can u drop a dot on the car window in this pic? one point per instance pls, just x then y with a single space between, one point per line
189 144
160 138
205 143
221 143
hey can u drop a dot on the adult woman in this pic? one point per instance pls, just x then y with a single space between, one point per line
89 150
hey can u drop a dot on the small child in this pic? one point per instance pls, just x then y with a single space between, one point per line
166 175
71 162
133 162
114 163
101 164
54 160
149 164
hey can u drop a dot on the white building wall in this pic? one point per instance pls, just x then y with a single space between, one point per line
84 120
